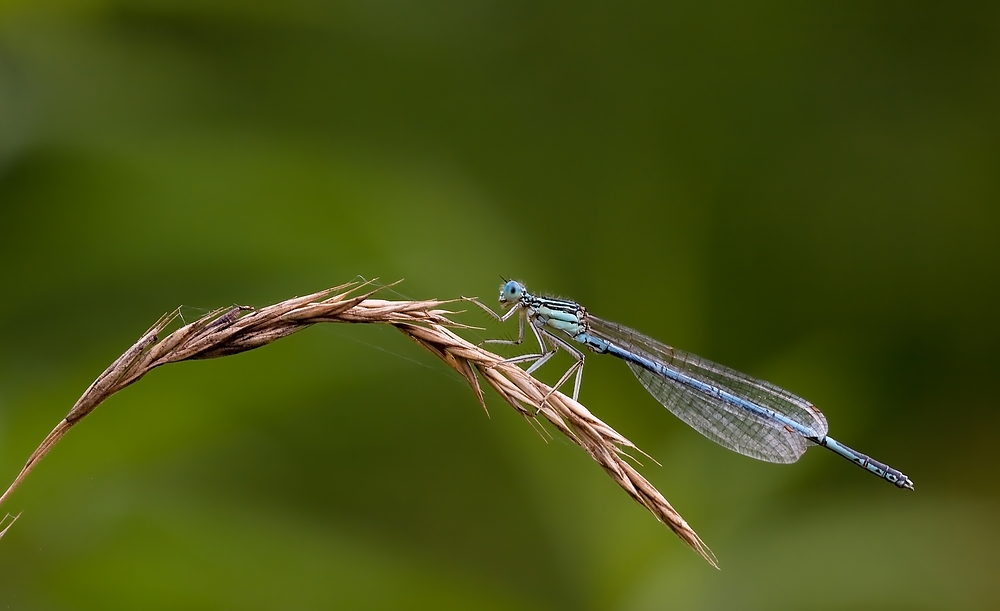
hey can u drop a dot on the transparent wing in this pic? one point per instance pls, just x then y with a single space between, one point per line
728 425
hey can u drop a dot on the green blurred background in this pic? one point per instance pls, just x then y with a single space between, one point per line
808 193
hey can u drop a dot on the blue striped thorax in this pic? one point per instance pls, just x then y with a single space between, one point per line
557 314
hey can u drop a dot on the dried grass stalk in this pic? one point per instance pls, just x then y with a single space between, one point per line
229 331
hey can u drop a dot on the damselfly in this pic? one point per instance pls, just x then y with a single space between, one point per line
739 412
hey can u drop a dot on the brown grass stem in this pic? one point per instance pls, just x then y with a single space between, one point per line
232 330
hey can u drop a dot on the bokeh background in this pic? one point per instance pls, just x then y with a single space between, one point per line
806 192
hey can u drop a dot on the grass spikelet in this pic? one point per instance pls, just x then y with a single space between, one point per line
228 331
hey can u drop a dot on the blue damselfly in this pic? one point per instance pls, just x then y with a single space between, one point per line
737 411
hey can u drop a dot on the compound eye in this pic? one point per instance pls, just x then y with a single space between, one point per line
511 291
